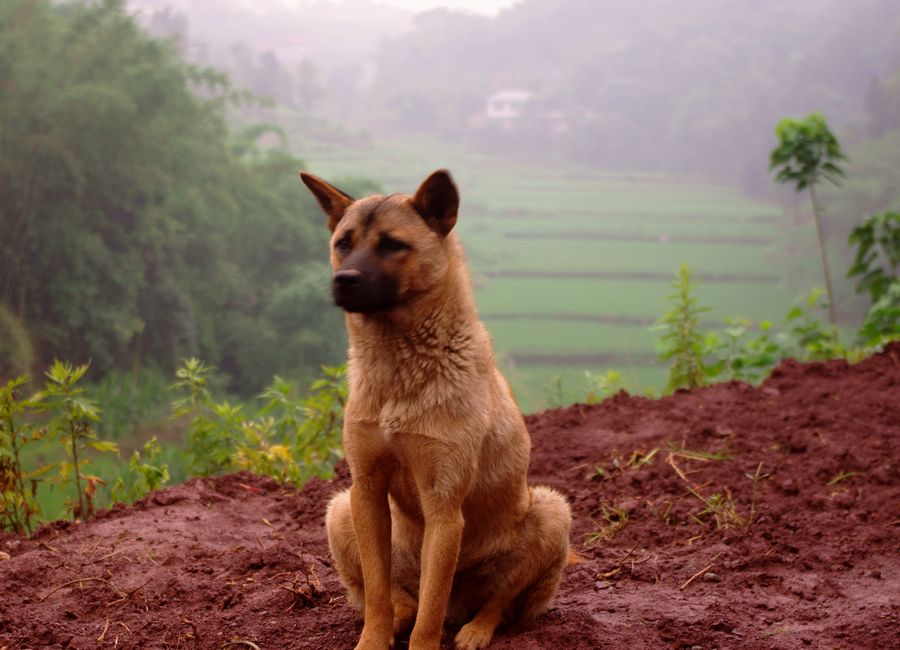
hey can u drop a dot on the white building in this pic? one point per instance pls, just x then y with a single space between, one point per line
508 104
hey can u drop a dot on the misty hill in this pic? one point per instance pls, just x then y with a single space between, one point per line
691 86
298 55
687 86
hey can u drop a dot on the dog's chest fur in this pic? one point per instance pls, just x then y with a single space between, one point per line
426 373
404 380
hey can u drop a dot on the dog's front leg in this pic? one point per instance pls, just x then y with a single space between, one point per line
372 525
440 552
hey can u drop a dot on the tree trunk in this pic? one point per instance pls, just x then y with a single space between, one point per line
824 251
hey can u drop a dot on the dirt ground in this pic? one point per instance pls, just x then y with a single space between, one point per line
726 517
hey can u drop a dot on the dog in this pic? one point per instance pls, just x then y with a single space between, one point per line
439 525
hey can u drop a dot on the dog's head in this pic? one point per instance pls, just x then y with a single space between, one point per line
386 250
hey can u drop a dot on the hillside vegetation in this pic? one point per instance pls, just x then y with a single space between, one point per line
136 228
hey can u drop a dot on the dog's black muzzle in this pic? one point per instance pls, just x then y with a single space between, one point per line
363 290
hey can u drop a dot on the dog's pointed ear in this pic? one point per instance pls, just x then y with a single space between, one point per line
437 201
334 202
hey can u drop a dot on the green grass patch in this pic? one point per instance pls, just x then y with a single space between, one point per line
617 256
627 298
567 337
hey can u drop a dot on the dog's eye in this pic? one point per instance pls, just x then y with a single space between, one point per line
344 244
391 245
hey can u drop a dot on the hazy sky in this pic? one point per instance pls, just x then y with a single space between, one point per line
480 6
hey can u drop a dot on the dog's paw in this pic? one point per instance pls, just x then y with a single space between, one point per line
473 636
375 639
404 616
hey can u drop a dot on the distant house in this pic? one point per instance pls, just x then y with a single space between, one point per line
514 109
508 105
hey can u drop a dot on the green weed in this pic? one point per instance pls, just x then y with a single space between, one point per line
295 439
553 392
73 426
809 337
214 429
18 486
842 476
756 477
600 387
741 354
695 454
610 523
683 342
721 506
289 439
877 269
145 473
638 458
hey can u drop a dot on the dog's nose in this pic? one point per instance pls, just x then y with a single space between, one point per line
347 278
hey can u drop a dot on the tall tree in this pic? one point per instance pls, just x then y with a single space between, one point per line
807 154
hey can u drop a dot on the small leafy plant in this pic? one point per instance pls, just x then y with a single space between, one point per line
744 354
317 445
553 392
145 473
18 486
809 337
73 427
876 267
602 386
214 429
295 439
683 342
289 439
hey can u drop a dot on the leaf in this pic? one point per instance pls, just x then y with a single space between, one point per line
794 313
33 474
104 446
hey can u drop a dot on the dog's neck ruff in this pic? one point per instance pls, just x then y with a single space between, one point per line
428 356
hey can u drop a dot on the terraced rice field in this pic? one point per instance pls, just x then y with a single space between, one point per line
571 266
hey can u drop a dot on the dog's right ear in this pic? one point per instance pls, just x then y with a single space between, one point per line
333 201
437 202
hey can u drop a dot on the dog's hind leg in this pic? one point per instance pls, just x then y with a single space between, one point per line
554 515
531 573
345 552
343 547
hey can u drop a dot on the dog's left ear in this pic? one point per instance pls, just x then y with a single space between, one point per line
437 201
334 202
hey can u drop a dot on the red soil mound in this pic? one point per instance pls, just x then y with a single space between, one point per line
804 553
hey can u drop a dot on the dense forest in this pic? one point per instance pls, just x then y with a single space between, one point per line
136 228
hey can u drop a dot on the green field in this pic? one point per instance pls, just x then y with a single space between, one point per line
552 248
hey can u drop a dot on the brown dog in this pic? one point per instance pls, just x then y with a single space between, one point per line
439 522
